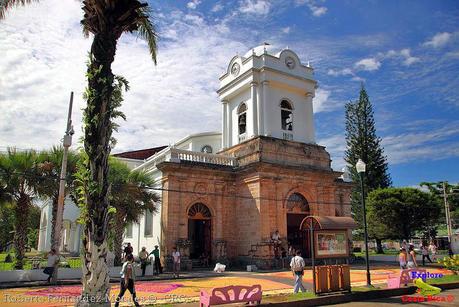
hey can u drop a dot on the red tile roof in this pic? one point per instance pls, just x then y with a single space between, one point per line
141 154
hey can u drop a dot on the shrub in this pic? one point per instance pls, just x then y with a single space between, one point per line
450 263
8 258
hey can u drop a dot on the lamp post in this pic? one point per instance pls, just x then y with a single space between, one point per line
361 167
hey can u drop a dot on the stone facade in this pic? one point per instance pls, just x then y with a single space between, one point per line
248 202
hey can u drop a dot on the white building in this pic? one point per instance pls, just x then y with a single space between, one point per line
263 93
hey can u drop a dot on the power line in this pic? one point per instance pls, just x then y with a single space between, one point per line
238 196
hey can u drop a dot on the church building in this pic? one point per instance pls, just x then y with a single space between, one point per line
225 193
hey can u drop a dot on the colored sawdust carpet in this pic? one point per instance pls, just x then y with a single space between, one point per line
183 290
148 292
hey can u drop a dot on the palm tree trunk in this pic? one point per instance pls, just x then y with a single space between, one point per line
98 130
54 245
118 239
20 236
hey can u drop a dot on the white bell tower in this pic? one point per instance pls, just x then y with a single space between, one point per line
267 93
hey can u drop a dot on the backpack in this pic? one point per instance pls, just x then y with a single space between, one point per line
296 264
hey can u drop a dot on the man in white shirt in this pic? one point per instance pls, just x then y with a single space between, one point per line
127 280
53 259
175 262
297 265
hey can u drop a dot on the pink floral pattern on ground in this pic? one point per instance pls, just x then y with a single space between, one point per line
153 287
57 291
68 291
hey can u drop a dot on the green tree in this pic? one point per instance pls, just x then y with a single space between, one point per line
363 143
33 227
19 174
131 197
107 21
397 213
50 163
452 192
7 222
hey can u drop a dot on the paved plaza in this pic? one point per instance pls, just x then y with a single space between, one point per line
184 290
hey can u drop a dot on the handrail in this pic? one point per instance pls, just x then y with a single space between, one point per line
177 155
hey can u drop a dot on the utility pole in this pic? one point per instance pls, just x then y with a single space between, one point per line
62 180
447 213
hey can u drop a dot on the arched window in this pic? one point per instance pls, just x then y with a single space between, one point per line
199 211
286 115
206 149
297 203
242 118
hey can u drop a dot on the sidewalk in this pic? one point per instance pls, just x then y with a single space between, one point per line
63 282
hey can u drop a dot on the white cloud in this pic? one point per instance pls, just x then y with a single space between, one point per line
316 10
217 7
425 145
439 40
285 30
336 146
342 72
192 5
256 7
321 101
43 59
368 64
404 55
409 59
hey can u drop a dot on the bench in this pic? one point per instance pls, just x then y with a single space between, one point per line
404 278
231 294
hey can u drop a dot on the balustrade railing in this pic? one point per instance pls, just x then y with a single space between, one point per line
177 155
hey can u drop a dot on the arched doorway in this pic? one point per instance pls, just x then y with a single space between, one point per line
297 210
199 230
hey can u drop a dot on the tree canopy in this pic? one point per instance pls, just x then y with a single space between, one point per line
397 213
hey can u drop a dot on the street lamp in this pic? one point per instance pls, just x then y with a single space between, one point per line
361 166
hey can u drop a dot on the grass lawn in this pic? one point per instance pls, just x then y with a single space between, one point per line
443 280
364 289
288 297
69 262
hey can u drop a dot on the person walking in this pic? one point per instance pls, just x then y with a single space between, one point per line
128 250
175 262
53 259
425 255
143 255
127 280
433 250
411 258
402 258
297 266
157 269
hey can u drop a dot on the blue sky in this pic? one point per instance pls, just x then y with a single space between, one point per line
405 52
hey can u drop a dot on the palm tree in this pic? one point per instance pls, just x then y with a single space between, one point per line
107 20
50 163
130 197
19 177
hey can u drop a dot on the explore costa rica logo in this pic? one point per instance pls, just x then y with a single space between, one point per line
428 293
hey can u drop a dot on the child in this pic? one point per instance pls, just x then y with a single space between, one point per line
412 258
402 258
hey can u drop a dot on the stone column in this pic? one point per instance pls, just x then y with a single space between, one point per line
266 130
310 118
224 124
229 134
253 92
260 110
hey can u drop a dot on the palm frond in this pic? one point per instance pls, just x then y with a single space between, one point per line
146 30
6 5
